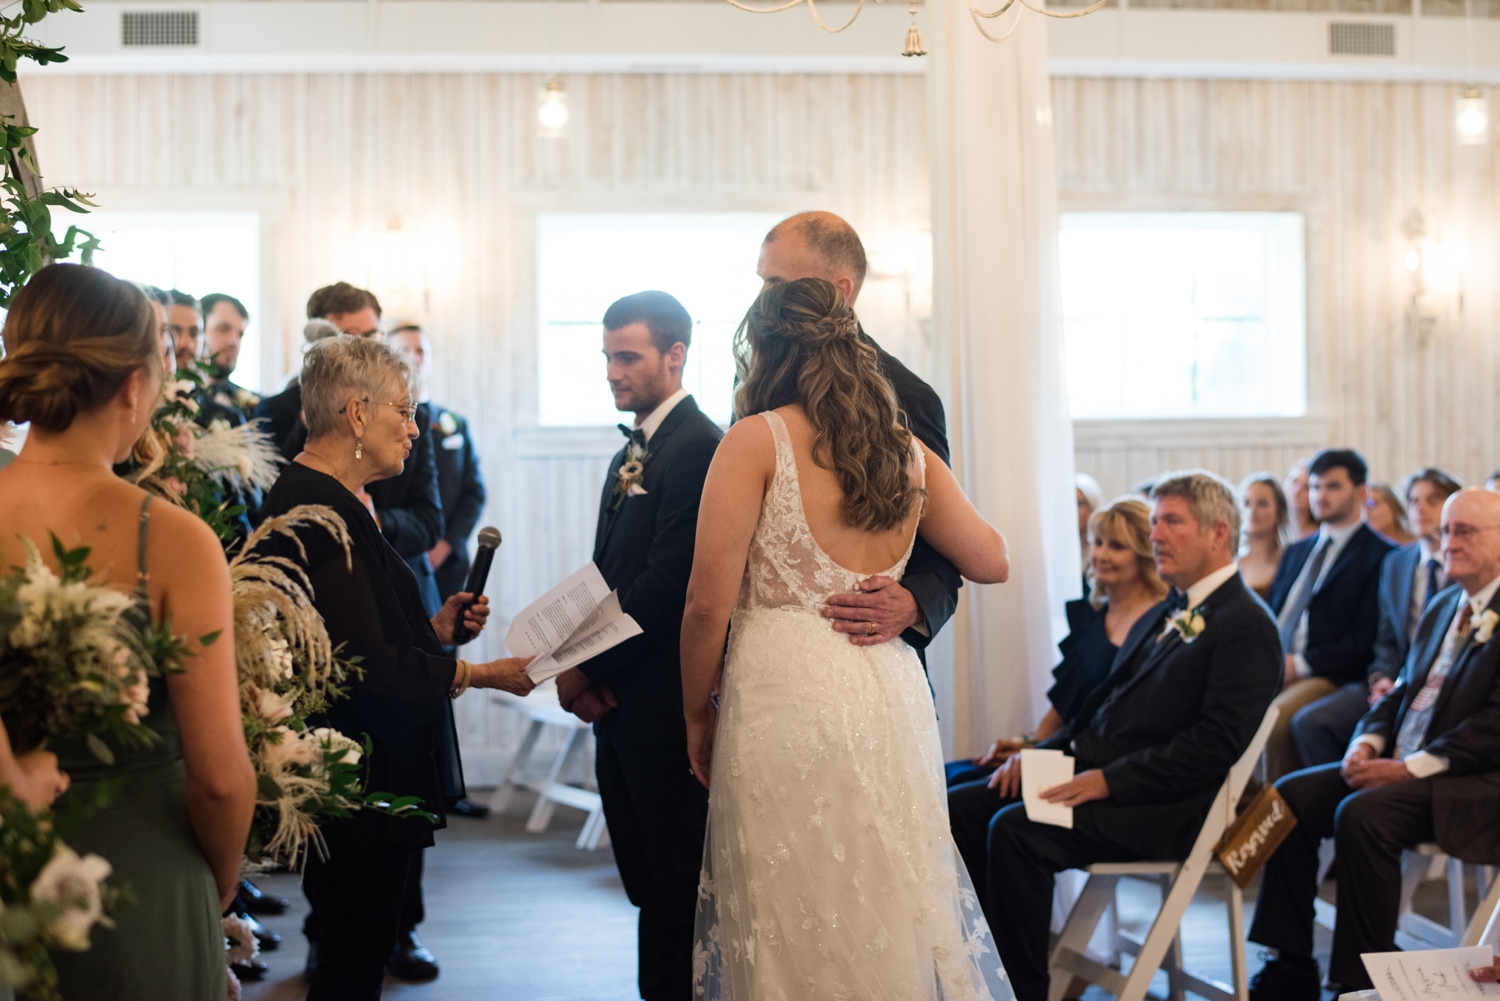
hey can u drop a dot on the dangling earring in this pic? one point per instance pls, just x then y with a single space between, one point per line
359 448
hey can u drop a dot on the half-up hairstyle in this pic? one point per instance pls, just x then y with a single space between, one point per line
800 344
73 336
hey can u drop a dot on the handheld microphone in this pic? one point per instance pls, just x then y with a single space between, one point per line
489 541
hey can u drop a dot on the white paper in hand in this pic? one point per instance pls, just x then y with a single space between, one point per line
578 619
1042 769
1430 973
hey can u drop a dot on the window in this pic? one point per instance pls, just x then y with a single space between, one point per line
587 261
1184 314
196 252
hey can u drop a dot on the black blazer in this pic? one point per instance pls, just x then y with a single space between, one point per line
375 612
1181 714
931 579
1344 614
460 493
644 549
281 417
1392 639
1465 729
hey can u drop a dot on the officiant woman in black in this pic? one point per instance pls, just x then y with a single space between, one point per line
358 403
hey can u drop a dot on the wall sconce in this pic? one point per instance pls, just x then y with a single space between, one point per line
552 110
1472 118
1435 278
1419 324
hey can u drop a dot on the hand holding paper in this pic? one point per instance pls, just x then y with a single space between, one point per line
578 619
1041 770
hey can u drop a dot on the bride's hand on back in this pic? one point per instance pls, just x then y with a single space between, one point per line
701 744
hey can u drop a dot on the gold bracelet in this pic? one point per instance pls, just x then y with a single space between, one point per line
463 686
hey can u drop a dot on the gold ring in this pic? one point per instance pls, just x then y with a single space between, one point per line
871 630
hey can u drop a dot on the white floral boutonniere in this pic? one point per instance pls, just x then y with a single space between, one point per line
244 399
1189 624
448 423
628 477
1482 625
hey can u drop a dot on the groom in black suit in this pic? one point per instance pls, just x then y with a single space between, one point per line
821 245
648 522
1152 743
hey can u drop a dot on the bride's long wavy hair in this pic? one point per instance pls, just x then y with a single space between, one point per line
800 344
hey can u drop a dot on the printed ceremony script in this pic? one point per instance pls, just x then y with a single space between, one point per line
1431 973
578 619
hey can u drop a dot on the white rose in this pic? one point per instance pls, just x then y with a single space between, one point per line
71 884
335 741
272 707
279 658
293 749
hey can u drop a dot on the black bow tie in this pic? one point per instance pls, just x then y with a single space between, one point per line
636 435
1177 601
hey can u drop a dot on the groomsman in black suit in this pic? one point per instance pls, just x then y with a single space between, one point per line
1152 744
1424 766
1410 577
1325 598
224 322
648 523
821 245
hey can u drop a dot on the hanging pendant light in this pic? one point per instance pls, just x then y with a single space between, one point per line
552 110
1472 118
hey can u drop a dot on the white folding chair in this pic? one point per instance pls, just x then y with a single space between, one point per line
542 710
1162 946
1416 931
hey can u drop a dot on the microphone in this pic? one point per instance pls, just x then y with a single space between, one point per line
489 541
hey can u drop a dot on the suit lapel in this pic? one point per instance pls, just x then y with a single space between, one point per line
1406 571
1174 640
1471 651
1296 558
609 511
1432 647
1346 556
614 506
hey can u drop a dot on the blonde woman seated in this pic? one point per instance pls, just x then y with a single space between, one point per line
1124 584
1267 525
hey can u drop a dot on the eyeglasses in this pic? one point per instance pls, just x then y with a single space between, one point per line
1464 533
408 411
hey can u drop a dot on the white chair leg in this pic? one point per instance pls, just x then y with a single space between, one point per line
1164 929
1173 966
1458 911
1097 896
541 814
1241 979
500 799
1483 913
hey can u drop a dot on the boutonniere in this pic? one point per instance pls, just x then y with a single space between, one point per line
1482 625
448 423
1189 624
628 477
245 399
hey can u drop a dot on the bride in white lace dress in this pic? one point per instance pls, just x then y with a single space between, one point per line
828 871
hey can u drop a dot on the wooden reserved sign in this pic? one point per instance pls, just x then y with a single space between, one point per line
1255 834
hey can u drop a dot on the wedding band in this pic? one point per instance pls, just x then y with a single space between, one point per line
871 630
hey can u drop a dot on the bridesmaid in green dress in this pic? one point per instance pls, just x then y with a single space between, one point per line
82 366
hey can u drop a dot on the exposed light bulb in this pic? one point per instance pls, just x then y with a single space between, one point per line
552 110
1472 118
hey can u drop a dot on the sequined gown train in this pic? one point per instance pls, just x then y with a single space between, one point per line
828 870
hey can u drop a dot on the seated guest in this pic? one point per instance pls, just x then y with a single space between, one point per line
1125 585
1385 513
353 311
357 398
1304 522
1324 598
1422 767
1409 578
1152 743
1090 499
1268 529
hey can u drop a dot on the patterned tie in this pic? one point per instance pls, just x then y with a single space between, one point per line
636 435
1413 733
1292 615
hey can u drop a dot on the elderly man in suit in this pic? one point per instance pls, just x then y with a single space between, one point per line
1325 598
1410 577
1152 743
1424 765
821 245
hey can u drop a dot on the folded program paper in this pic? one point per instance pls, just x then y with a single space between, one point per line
1041 770
578 619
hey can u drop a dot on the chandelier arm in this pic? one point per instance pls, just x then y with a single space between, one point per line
976 14
765 10
1049 13
812 6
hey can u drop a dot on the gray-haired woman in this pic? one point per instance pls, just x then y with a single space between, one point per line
357 401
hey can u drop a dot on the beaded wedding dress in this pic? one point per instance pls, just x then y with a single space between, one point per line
829 873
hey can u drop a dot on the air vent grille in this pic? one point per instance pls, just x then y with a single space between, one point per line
1361 38
159 27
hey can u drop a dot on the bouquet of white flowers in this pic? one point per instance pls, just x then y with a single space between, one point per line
51 897
289 670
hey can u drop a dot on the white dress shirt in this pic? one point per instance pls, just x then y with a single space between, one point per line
1422 763
1199 590
1335 539
653 420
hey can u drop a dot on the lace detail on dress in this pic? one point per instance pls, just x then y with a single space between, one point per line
786 567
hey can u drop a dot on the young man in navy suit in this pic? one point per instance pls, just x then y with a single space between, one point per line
1325 598
648 524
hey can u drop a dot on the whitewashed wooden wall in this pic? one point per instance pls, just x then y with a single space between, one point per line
457 160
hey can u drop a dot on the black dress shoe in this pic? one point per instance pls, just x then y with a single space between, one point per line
250 970
1289 978
469 808
269 940
257 902
412 960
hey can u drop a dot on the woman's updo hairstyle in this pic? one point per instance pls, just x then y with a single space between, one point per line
73 336
800 343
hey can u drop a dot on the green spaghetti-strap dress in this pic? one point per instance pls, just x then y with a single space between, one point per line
168 945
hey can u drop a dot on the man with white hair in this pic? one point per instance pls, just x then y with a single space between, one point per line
1152 744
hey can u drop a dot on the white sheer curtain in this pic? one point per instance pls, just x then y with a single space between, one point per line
996 309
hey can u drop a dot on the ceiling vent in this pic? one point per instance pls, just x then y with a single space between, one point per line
159 27
1361 38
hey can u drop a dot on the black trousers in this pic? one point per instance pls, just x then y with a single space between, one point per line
1323 729
657 813
1013 862
1370 828
412 910
356 896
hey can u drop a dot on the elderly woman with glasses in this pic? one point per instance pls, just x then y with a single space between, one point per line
357 402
